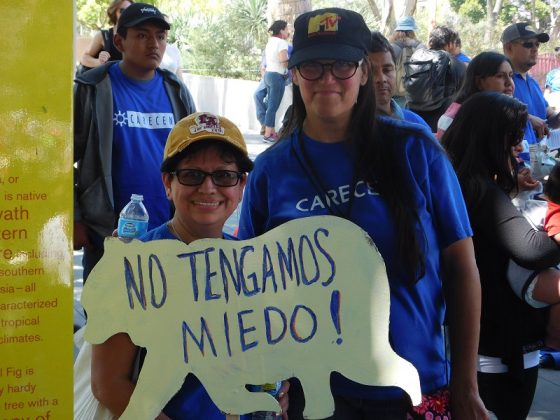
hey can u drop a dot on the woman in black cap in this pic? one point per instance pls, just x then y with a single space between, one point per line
395 182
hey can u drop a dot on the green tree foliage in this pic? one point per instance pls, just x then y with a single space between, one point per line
228 44
474 10
220 38
92 14
537 11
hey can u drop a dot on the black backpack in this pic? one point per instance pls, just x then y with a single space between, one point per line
427 79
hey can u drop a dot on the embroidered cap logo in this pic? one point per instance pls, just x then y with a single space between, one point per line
207 122
325 24
149 10
529 28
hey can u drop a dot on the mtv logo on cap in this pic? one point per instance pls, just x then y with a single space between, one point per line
324 24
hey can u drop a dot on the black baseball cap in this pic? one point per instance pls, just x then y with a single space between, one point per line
522 30
137 13
330 33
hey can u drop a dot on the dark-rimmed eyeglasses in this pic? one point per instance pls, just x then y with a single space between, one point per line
194 177
530 44
341 70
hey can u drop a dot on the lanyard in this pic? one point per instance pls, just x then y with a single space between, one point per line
309 169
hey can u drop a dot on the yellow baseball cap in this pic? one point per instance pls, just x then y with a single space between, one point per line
203 126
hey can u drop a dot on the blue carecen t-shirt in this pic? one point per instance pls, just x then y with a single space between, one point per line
279 189
142 120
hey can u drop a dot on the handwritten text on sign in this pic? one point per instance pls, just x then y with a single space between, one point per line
303 300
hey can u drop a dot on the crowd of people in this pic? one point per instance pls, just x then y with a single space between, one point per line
432 168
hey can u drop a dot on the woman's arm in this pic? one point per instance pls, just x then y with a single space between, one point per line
111 367
462 290
89 57
283 57
528 247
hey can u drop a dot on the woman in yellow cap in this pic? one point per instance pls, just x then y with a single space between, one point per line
204 171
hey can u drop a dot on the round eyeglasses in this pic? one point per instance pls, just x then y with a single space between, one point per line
195 177
341 70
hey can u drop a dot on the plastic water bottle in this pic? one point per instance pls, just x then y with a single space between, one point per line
133 220
273 390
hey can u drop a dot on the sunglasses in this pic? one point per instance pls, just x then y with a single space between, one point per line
195 177
529 45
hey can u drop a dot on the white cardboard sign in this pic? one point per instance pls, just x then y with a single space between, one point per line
303 300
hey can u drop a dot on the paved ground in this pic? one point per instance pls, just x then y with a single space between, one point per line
546 405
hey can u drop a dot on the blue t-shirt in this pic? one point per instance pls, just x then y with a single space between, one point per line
279 190
407 115
142 120
529 92
191 401
463 58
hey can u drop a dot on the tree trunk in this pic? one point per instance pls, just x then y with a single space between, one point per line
287 10
374 10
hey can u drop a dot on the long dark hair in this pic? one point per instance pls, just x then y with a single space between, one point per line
377 152
483 65
480 140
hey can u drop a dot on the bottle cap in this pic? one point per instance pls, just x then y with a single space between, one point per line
137 197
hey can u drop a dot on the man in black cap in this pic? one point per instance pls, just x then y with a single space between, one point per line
521 45
123 112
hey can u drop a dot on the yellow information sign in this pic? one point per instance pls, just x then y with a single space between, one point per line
305 299
36 296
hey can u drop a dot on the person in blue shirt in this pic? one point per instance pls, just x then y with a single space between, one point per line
394 181
204 171
123 112
460 55
521 45
382 59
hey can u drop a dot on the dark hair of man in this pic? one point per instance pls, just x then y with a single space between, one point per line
552 185
228 153
277 26
380 44
483 65
377 152
480 140
114 6
441 36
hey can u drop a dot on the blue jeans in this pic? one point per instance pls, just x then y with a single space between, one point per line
260 102
275 85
